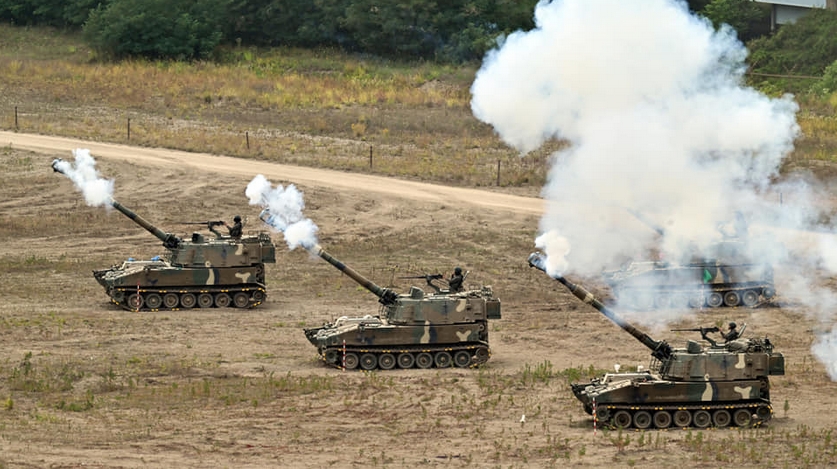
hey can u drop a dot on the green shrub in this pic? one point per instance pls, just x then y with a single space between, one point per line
156 29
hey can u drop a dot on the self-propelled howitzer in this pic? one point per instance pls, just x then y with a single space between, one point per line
410 330
218 271
721 274
720 384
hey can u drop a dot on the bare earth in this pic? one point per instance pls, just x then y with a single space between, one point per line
223 388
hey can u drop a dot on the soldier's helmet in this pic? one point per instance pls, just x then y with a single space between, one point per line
237 219
457 271
732 325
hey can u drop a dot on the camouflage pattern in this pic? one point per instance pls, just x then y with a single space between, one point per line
411 330
200 272
715 385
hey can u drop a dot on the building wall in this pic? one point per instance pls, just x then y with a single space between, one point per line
788 11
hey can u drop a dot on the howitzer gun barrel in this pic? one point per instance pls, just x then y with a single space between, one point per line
385 295
659 349
639 216
169 240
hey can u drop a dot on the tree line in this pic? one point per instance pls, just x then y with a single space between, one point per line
452 30
445 31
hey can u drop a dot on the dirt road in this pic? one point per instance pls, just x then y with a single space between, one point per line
276 172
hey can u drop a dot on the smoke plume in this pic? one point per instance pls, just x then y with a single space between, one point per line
97 191
659 123
283 212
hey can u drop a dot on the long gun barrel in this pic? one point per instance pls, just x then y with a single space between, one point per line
385 295
659 349
169 240
639 216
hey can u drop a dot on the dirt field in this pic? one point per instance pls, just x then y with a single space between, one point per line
86 384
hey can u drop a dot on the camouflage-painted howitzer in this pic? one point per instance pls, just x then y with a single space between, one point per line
719 385
410 330
721 275
199 272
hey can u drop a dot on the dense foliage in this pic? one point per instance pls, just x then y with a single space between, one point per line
453 30
748 18
806 47
180 29
449 31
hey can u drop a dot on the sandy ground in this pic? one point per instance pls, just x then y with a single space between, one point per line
229 388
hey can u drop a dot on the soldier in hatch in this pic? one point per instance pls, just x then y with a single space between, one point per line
732 333
235 230
456 280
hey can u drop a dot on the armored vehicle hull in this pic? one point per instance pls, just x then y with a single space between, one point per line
654 284
156 285
412 330
222 271
718 385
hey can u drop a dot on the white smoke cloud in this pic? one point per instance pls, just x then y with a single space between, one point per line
284 207
825 349
650 98
652 102
96 190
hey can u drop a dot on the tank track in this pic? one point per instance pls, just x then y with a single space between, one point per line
747 296
185 298
649 416
467 355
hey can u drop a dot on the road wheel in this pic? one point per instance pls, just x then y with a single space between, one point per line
742 418
135 301
188 300
622 419
749 298
768 292
682 418
153 301
259 296
350 361
714 299
663 301
386 361
662 419
424 360
442 360
602 414
462 359
764 413
170 300
368 361
332 356
406 360
205 300
222 300
732 298
482 355
241 300
702 419
721 418
642 419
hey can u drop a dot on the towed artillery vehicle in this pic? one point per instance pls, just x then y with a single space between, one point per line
725 276
202 272
411 330
719 384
